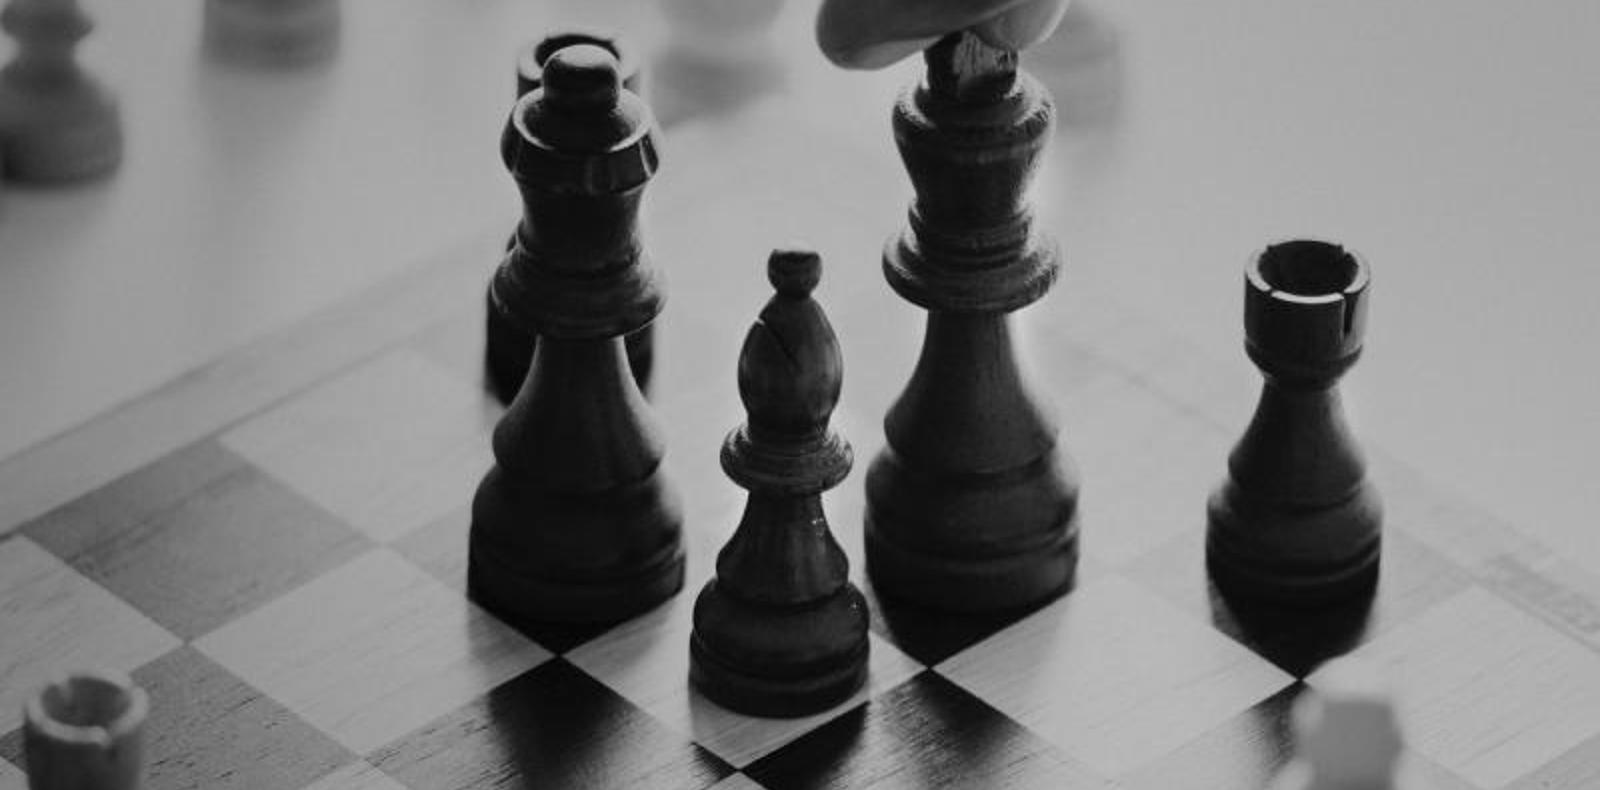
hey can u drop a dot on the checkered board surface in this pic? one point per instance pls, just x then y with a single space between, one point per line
288 583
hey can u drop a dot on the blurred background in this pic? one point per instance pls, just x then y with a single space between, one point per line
1453 144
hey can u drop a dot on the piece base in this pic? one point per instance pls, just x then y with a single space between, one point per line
1293 585
764 695
521 596
973 584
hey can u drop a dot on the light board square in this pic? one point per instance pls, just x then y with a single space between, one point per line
1488 691
371 650
390 446
1114 676
12 777
356 776
53 619
1146 466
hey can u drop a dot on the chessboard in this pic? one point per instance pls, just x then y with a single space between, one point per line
274 546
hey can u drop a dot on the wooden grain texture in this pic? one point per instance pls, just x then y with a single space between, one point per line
947 739
238 384
1127 676
646 661
208 729
357 776
12 777
554 724
1544 696
51 617
197 538
371 650
389 446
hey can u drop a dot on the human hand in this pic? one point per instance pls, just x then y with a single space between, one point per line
871 34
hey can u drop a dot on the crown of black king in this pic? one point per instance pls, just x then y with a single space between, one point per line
581 148
970 135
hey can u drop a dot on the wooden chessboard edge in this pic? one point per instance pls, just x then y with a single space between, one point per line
241 381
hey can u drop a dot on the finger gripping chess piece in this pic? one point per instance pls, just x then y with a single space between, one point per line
508 347
971 506
1296 520
780 630
85 731
57 122
575 522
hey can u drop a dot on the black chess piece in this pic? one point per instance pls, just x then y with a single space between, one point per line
1296 520
780 630
971 506
58 123
575 523
508 348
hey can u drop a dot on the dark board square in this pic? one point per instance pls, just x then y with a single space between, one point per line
1245 751
208 729
1412 578
553 726
929 636
196 538
925 733
1250 749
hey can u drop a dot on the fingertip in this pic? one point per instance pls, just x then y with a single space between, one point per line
868 57
843 34
1024 26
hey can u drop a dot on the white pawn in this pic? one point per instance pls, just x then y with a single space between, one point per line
1346 734
718 54
722 29
57 122
272 32
85 731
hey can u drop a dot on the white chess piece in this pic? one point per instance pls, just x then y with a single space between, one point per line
57 122
85 729
1347 736
272 32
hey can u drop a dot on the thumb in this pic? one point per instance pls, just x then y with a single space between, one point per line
1023 26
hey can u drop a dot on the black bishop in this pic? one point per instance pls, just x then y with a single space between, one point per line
780 630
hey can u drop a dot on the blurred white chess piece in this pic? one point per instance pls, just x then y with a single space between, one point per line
717 55
57 121
721 29
1346 734
272 32
85 729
